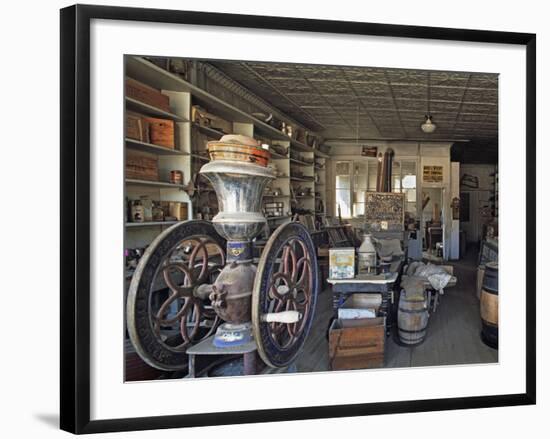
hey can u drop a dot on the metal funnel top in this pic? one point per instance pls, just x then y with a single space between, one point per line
238 172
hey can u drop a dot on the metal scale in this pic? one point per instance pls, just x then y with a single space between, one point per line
219 302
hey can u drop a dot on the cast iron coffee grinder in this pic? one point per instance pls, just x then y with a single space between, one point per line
217 299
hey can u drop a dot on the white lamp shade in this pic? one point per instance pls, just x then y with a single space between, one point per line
428 126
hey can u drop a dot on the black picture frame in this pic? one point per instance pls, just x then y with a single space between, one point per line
75 217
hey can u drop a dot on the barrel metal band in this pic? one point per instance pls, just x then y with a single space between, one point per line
408 331
413 311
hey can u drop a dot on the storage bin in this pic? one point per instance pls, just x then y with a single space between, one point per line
357 344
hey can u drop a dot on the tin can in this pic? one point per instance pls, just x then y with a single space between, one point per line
138 212
342 263
176 177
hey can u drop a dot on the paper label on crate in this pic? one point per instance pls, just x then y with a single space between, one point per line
357 313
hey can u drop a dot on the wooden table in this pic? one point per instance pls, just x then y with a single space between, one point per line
369 283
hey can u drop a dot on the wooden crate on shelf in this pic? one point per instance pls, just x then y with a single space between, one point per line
136 127
161 131
141 165
146 94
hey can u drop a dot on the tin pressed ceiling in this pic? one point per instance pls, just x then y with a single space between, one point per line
344 104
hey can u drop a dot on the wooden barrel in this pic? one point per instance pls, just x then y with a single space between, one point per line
489 305
479 280
412 318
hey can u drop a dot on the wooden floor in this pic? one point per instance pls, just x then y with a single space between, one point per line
452 338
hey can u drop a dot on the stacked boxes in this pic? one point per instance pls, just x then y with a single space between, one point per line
141 165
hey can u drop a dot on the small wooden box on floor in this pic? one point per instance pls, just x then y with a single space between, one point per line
357 344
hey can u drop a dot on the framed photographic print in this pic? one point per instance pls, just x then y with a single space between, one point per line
210 162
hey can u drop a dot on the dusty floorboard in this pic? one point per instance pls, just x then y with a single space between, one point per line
452 338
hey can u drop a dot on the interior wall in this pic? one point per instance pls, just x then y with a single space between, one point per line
424 153
438 155
436 197
478 197
402 150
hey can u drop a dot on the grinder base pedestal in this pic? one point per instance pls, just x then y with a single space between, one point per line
231 334
207 347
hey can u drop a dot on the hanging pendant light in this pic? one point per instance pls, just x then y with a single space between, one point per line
428 126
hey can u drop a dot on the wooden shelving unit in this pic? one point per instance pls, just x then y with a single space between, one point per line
188 158
152 148
200 157
208 131
151 224
144 71
142 107
168 159
164 184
